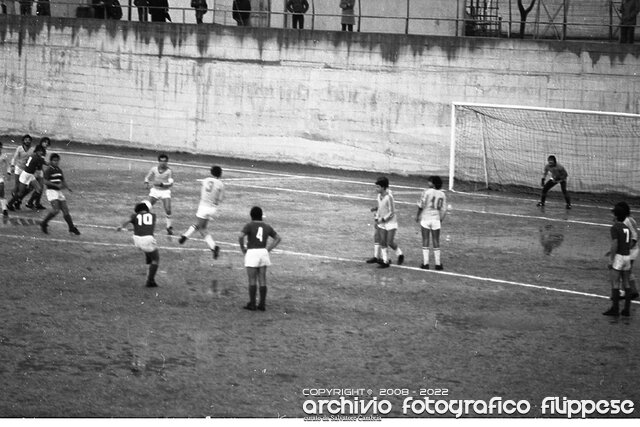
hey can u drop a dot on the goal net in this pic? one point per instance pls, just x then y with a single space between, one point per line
497 146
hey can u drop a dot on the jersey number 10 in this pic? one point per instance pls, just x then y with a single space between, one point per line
145 219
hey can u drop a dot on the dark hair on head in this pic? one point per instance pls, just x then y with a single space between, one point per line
383 182
162 156
624 208
0 144
216 171
552 158
256 213
141 207
619 212
40 148
27 136
436 180
46 140
54 156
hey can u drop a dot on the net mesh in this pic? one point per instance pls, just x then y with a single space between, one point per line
508 146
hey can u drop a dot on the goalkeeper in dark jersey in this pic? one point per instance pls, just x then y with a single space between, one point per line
558 176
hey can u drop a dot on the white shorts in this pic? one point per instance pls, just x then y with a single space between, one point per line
17 170
257 258
633 255
27 178
160 193
389 225
431 223
145 243
55 195
621 262
207 212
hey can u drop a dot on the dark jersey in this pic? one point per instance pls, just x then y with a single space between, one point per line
144 223
54 175
34 162
257 233
622 234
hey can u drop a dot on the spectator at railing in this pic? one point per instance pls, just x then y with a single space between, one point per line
109 9
25 7
143 9
242 12
159 10
298 8
628 15
43 8
201 8
348 17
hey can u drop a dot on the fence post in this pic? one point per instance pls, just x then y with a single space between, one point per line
406 25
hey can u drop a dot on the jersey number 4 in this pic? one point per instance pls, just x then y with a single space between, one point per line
259 233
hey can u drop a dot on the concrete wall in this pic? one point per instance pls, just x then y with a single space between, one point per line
377 102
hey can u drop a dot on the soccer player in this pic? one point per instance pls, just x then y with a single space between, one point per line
432 209
36 196
620 262
144 223
377 256
211 195
18 160
27 178
256 255
631 223
4 166
54 182
387 222
159 181
558 176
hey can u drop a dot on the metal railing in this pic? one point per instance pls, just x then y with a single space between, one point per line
493 24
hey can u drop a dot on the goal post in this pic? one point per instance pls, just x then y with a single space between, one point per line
496 146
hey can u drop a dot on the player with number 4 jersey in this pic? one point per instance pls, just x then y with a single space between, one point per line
432 209
144 223
256 255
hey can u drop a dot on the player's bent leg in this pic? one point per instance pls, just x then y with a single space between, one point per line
615 294
55 208
153 260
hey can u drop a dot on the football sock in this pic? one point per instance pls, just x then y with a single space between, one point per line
190 231
69 221
263 295
169 221
425 256
385 256
376 250
49 216
398 251
3 204
210 242
436 256
153 269
252 294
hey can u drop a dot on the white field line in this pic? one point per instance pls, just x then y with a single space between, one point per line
329 195
315 256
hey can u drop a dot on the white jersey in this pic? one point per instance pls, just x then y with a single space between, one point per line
155 177
20 156
212 192
433 204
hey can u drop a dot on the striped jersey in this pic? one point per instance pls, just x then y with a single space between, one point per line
433 203
212 192
156 177
53 175
144 223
